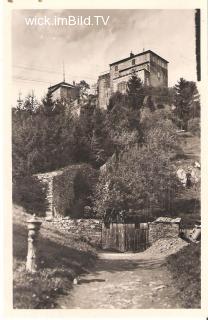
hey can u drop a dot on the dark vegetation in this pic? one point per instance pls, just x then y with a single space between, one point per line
30 193
136 137
185 268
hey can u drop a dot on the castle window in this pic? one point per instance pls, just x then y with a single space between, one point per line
133 62
121 86
116 68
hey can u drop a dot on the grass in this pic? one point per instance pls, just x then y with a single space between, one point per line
185 268
61 258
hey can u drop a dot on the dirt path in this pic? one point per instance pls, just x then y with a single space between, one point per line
123 281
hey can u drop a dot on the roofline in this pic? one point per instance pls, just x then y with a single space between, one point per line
138 54
61 83
104 74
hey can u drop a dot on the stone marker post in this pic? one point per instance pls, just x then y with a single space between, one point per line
33 230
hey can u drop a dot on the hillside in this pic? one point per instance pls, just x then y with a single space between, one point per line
187 204
190 145
62 258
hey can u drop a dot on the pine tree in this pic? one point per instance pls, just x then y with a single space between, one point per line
101 146
48 103
30 104
135 92
184 100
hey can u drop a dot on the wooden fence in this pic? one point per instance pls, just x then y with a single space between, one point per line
124 237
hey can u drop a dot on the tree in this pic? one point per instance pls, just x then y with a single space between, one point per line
101 143
42 141
160 131
142 180
29 104
83 131
150 103
124 115
142 177
185 92
83 89
48 104
135 92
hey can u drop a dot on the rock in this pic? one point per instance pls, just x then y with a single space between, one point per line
159 287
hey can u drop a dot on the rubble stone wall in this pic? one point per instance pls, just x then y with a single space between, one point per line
163 231
62 189
87 229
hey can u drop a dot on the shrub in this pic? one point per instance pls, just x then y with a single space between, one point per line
185 95
30 193
84 184
194 126
159 130
141 178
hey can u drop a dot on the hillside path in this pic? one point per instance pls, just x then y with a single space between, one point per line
124 281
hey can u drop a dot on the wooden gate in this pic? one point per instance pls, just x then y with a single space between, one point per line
124 237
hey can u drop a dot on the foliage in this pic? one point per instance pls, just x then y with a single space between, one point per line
194 126
83 89
29 103
159 130
186 106
124 115
30 193
135 92
42 140
186 272
101 143
141 178
140 140
83 132
84 186
158 97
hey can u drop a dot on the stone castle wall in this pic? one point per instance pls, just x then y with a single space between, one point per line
103 90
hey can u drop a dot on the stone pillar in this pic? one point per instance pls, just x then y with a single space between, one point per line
33 230
49 197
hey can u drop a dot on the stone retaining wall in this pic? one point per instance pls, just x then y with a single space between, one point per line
88 230
66 189
163 231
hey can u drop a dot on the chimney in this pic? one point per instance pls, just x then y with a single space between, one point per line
131 54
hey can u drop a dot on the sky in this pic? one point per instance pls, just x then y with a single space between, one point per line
38 52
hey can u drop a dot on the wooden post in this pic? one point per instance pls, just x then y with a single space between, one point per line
33 230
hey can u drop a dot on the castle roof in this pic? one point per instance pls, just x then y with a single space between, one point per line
138 54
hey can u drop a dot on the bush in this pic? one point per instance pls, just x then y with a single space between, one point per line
194 126
30 193
159 130
141 178
41 141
